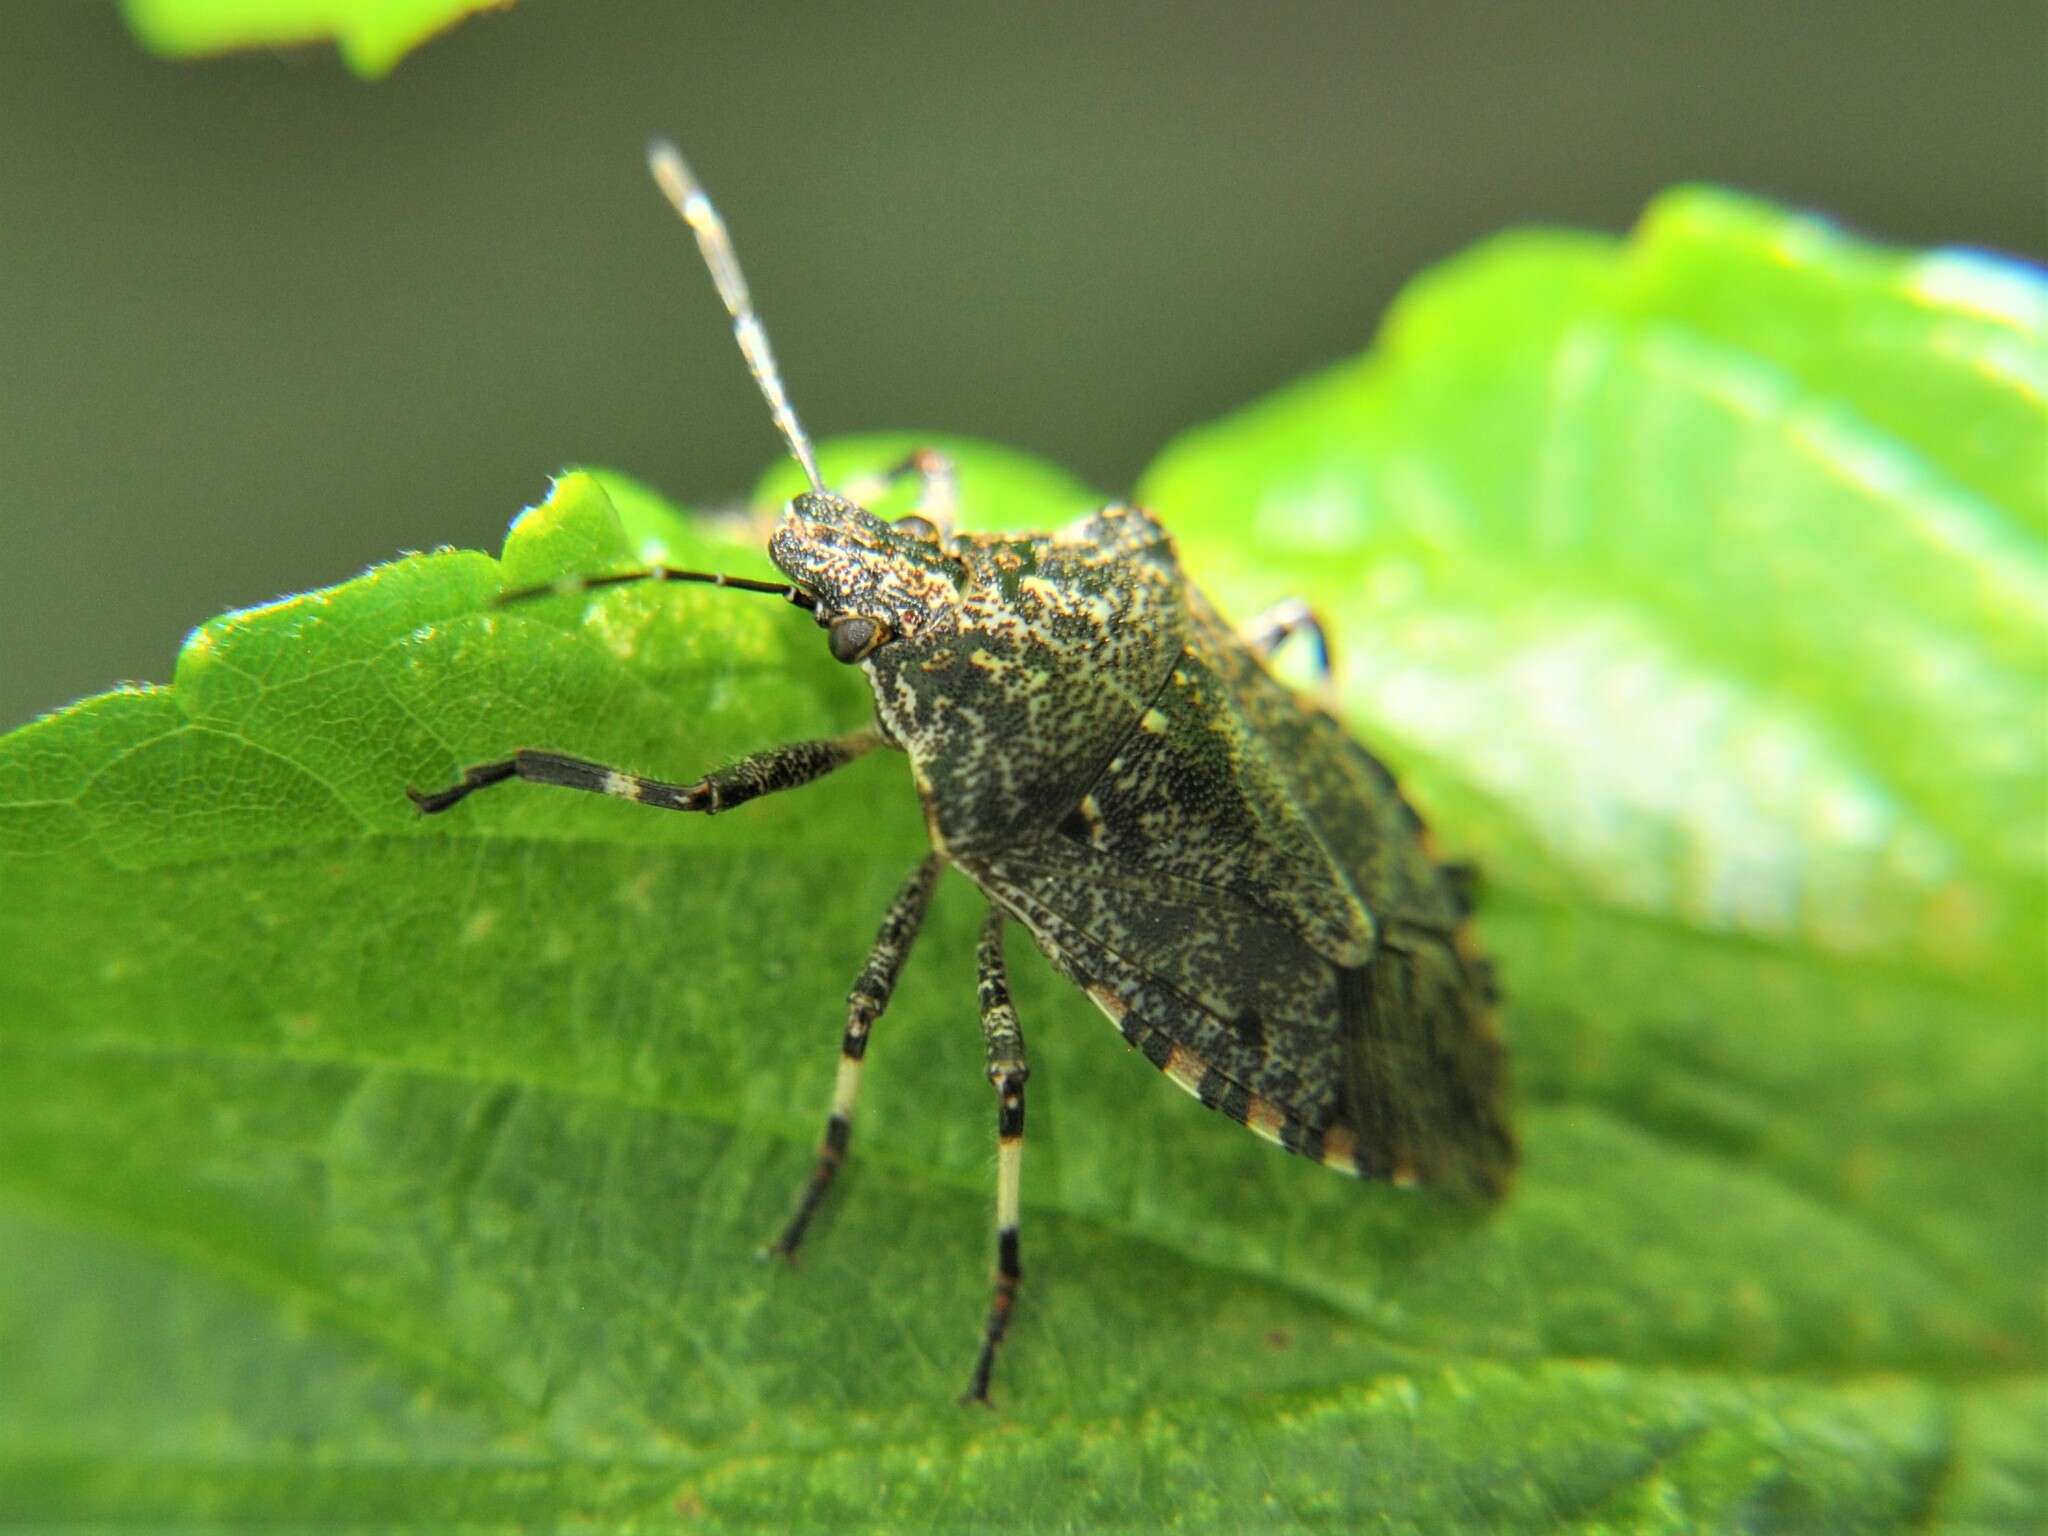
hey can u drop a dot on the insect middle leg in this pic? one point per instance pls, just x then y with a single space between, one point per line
759 773
938 489
1271 629
1007 1071
864 1005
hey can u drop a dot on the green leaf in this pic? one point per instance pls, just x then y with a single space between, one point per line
369 1171
1703 579
372 35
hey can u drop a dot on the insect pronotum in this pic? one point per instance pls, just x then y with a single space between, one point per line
1235 882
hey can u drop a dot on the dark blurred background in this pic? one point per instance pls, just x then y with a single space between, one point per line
262 324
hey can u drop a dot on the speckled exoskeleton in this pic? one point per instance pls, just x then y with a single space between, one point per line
1236 883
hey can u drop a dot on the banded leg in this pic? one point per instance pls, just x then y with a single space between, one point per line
1293 617
864 1004
1007 1071
759 773
938 489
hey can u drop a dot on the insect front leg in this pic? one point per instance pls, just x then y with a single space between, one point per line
864 1005
1007 1070
759 773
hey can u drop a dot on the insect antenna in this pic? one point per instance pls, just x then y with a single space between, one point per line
569 584
686 194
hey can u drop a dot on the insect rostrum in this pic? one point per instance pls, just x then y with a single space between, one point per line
1236 883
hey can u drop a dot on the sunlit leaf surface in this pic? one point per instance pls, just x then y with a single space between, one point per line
372 35
370 1172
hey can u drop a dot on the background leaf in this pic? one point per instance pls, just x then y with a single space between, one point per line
383 1172
372 35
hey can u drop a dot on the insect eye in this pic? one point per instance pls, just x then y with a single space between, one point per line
920 527
853 638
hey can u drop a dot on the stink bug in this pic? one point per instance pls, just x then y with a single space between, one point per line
1236 883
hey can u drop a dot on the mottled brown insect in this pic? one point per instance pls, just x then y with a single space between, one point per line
1236 883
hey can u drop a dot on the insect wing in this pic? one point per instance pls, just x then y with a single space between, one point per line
1424 1069
1211 894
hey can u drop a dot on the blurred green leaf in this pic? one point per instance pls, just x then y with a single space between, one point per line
372 35
1704 578
383 1173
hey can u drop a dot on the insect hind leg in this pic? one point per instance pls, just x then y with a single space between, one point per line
864 1004
1007 1070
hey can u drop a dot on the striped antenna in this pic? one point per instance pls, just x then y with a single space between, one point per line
686 194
